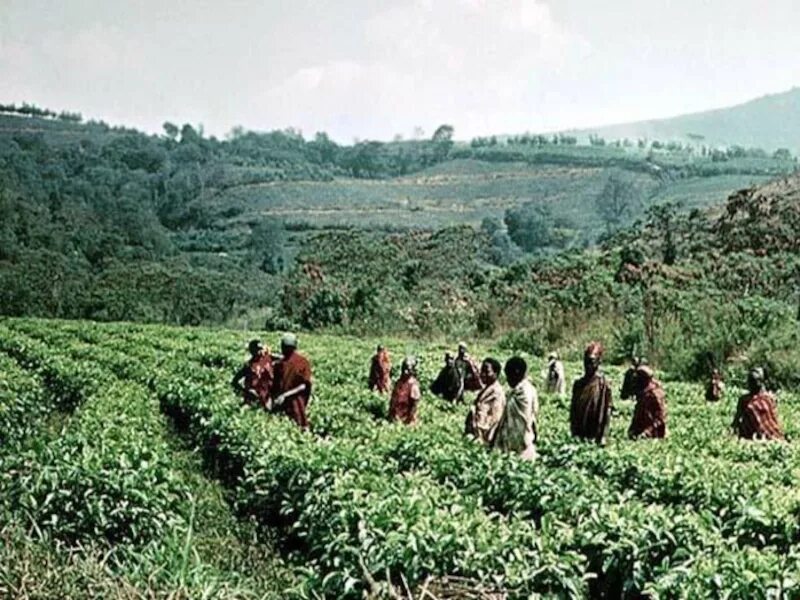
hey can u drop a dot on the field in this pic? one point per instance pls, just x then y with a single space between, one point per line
454 193
129 469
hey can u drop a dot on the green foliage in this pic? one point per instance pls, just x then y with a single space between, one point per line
617 200
112 503
534 228
699 512
324 308
267 244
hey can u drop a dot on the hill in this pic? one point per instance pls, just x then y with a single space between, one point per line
770 122
108 223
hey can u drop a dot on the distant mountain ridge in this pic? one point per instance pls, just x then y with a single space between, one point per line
769 122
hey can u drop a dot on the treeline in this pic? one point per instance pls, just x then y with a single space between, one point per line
650 148
31 110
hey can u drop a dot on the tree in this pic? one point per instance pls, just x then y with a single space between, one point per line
502 250
267 246
664 219
615 201
442 141
782 154
533 227
170 130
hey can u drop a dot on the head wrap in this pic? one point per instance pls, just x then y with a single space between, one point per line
462 346
594 349
757 374
289 340
553 355
410 363
645 371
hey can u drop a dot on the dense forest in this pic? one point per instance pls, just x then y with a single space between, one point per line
625 239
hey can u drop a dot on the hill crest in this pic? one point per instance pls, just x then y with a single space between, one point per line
769 122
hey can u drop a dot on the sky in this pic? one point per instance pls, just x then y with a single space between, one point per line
375 69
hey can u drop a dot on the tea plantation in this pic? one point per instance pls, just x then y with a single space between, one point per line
128 468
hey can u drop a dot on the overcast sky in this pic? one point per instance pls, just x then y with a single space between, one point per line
373 69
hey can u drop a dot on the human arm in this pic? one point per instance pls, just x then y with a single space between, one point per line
236 382
605 422
281 398
415 394
534 414
737 418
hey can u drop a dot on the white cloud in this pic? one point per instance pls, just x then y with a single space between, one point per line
428 62
372 69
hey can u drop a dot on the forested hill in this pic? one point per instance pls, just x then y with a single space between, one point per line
770 122
109 223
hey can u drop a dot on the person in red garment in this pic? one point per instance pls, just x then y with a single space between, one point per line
757 413
590 410
650 415
257 374
406 394
379 371
293 381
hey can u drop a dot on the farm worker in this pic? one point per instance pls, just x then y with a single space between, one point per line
379 371
468 371
516 431
257 374
293 381
650 415
590 410
554 377
757 414
485 415
628 387
715 387
406 394
448 384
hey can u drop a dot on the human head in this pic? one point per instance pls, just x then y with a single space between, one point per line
592 357
462 349
288 344
515 370
552 356
409 365
490 370
379 349
448 359
255 348
755 380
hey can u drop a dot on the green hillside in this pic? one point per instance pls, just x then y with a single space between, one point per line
455 193
770 122
108 223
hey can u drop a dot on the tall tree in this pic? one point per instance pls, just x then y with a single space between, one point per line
616 201
268 246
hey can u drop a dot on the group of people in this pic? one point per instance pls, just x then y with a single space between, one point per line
500 418
276 382
507 420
